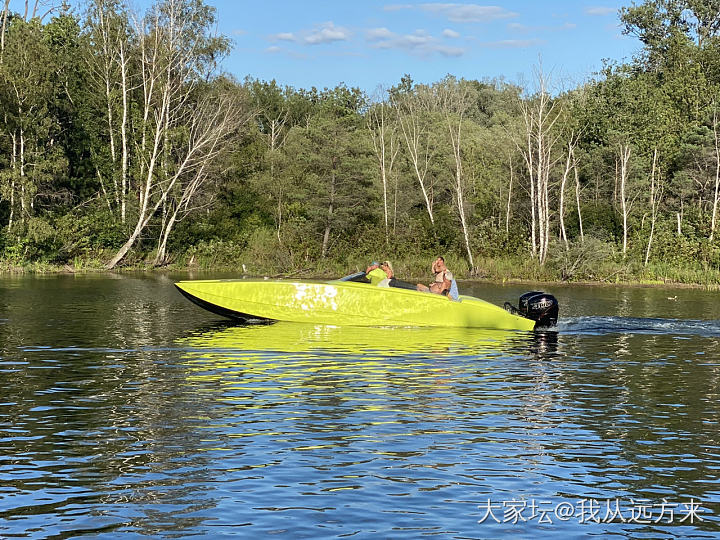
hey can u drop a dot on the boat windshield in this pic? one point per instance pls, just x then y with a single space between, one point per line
357 276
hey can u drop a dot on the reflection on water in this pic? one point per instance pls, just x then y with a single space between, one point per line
125 409
283 337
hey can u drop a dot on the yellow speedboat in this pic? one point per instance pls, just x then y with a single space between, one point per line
350 301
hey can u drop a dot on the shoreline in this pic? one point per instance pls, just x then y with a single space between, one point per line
40 269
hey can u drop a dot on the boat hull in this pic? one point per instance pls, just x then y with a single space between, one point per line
345 303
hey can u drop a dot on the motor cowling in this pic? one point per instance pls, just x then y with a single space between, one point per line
539 306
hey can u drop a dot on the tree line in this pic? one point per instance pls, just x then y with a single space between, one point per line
123 143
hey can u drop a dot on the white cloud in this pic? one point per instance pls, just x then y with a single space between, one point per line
600 11
397 7
323 33
448 33
275 49
378 33
512 43
239 32
284 36
449 51
517 27
465 13
327 33
419 43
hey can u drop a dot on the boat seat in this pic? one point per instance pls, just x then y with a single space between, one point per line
454 293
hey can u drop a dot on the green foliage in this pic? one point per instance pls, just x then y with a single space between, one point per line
214 254
298 188
32 240
81 234
599 220
585 260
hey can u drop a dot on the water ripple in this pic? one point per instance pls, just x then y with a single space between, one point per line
318 431
638 325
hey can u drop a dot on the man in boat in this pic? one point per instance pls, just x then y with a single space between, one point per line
382 275
375 274
444 282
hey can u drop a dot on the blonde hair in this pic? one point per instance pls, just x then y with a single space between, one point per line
387 263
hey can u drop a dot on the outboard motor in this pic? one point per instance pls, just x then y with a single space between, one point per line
539 306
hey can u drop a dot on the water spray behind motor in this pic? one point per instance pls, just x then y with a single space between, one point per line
539 306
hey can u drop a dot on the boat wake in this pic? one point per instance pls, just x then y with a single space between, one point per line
636 325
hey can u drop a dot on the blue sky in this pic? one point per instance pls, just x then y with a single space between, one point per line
372 43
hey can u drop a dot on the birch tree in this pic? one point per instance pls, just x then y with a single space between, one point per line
27 92
577 197
624 152
4 16
177 52
111 38
386 146
413 111
539 140
570 164
656 190
716 192
212 120
455 99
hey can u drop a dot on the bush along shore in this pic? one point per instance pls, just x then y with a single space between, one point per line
573 266
616 180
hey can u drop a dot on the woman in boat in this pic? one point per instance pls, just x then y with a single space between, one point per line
444 282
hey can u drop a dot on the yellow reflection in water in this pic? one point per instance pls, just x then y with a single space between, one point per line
344 384
283 361
316 388
285 337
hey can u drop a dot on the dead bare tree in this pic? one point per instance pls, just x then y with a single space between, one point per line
540 113
210 124
413 115
716 140
110 72
577 197
455 100
174 142
625 205
386 147
570 163
50 5
656 191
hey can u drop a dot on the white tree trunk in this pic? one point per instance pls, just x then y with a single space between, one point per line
561 209
328 225
577 199
655 194
123 61
459 196
713 223
23 180
624 160
509 199
386 150
13 166
5 13
417 140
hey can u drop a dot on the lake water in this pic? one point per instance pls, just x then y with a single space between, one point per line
126 409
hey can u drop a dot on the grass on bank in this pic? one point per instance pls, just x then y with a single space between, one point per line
569 267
